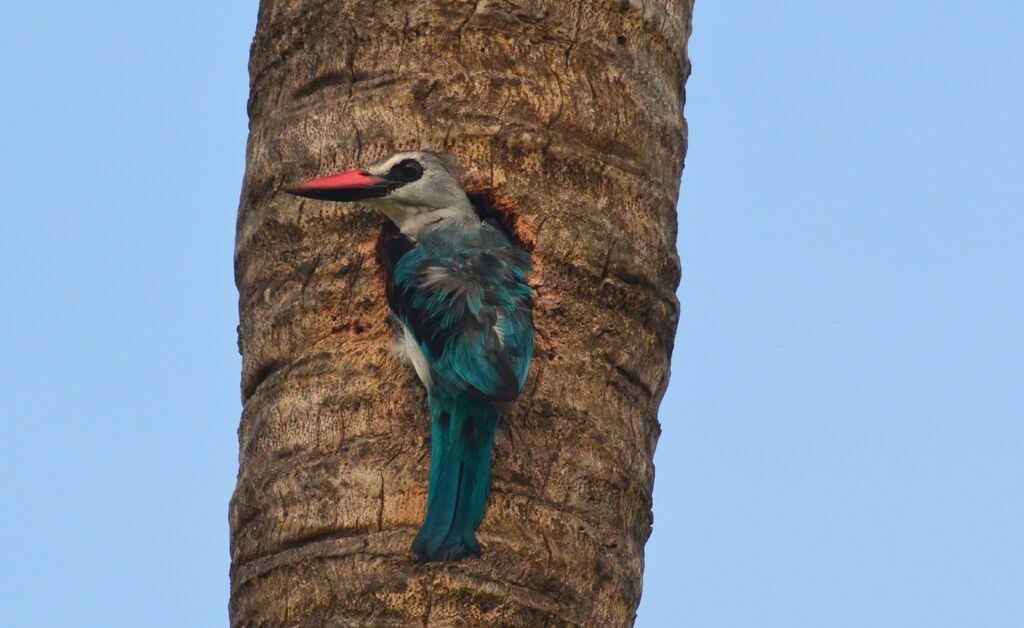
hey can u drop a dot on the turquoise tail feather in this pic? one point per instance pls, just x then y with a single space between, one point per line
460 478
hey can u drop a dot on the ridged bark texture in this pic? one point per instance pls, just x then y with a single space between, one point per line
575 110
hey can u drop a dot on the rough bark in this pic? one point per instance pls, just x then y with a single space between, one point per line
575 110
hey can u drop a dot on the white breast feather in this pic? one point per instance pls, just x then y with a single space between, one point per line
411 349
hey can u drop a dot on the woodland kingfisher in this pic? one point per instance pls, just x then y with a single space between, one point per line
457 283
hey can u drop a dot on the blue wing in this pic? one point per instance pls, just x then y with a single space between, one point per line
463 295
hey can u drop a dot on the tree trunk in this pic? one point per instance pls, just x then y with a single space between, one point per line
573 109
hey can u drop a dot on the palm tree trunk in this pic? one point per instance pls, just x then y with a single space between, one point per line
575 110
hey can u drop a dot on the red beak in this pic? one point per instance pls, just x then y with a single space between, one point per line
354 185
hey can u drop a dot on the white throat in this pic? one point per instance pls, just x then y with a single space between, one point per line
411 220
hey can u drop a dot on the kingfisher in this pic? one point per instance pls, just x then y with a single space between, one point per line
456 281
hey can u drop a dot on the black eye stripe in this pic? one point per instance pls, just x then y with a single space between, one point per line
406 171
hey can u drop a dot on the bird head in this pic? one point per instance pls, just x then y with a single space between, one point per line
412 188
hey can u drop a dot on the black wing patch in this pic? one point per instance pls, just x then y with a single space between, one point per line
391 246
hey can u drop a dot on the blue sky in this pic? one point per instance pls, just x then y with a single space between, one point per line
843 441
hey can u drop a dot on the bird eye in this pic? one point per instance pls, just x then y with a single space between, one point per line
407 170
